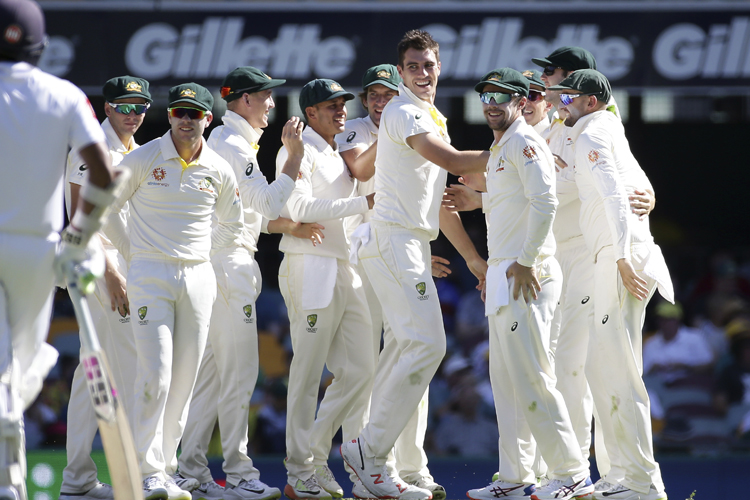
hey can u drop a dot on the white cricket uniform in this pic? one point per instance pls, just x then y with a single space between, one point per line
604 166
408 458
328 316
230 365
520 206
395 254
115 335
171 284
33 104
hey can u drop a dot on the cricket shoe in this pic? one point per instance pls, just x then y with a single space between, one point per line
428 483
564 490
174 492
359 490
327 481
251 489
502 489
153 489
601 486
208 491
101 491
375 477
621 492
306 489
186 483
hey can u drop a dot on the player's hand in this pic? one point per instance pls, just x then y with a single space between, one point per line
478 268
440 267
633 283
118 295
559 162
477 182
370 200
291 137
308 231
459 198
79 259
483 294
641 202
524 282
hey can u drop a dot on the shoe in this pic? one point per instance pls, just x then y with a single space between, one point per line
306 489
601 486
564 490
174 492
186 483
153 489
102 491
621 492
502 489
375 477
252 489
359 490
327 481
208 491
428 483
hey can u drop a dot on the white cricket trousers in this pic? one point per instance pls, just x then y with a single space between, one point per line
614 369
339 337
228 372
571 328
115 335
397 263
523 384
171 301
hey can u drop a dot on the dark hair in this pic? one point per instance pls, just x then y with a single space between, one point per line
418 40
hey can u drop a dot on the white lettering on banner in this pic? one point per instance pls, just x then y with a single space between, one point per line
685 51
497 42
214 48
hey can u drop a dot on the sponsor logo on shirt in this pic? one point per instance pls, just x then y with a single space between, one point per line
351 137
568 141
421 289
83 167
605 319
312 320
418 116
249 169
530 152
159 174
248 310
142 311
514 326
593 156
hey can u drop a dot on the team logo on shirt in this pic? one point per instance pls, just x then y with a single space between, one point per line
351 137
500 164
530 152
159 174
206 184
133 87
312 320
142 314
421 289
249 169
593 156
248 310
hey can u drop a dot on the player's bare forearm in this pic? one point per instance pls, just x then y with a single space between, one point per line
361 161
304 230
433 148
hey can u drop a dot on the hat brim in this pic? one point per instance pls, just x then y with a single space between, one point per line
562 87
479 86
130 95
348 96
384 83
542 62
272 83
189 101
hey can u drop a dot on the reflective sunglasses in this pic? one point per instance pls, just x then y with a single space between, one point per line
535 95
192 113
550 70
567 99
125 109
499 97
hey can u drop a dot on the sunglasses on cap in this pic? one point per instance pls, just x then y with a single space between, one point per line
567 99
550 70
126 109
192 113
535 95
499 97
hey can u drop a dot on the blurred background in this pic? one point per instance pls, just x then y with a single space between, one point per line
681 76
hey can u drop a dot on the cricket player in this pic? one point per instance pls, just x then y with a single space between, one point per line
358 146
229 369
413 157
522 288
329 320
34 104
178 185
628 268
127 100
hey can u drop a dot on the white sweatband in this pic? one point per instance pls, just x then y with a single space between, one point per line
98 196
85 223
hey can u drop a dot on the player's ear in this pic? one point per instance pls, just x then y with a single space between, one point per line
209 118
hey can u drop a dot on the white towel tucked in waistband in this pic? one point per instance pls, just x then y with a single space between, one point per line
360 236
497 294
656 269
318 281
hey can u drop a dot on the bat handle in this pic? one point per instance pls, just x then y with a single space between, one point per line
89 339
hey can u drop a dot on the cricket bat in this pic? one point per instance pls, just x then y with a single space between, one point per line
119 448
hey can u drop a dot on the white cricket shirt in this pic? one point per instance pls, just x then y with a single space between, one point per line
408 188
359 132
322 193
237 142
566 226
40 117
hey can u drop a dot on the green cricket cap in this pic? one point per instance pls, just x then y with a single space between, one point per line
125 87
505 78
191 93
321 90
588 82
246 79
384 74
535 78
568 58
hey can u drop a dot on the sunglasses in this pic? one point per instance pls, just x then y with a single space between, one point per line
535 95
550 70
126 109
192 113
567 99
499 97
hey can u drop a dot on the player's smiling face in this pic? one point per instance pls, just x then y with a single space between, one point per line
501 116
187 131
377 96
125 125
328 118
535 111
580 107
420 72
259 105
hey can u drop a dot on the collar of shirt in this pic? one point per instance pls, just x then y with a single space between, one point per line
113 140
311 137
542 125
512 130
370 125
577 129
435 114
15 69
242 127
168 151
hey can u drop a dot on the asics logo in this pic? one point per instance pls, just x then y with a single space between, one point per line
605 318
585 299
499 492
